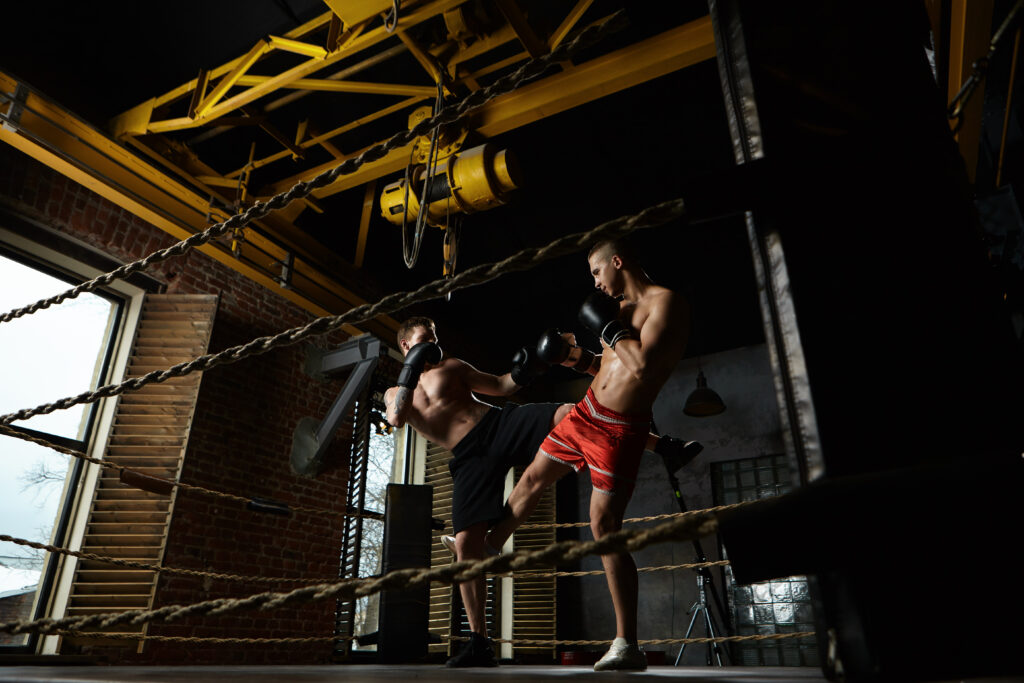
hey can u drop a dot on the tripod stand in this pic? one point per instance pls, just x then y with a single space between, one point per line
705 584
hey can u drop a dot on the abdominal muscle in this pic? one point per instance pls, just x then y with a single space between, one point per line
618 389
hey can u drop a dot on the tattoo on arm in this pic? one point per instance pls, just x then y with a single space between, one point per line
401 398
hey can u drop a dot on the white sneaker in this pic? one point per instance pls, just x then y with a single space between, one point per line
449 543
622 656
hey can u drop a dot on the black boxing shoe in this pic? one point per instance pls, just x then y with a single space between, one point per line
677 453
476 652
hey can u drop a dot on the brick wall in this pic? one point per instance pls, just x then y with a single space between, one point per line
15 607
240 439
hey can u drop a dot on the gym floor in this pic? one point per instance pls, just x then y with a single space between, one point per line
375 672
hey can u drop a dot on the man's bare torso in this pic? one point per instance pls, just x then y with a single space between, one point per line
444 408
615 386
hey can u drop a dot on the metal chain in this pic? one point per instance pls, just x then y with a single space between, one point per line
684 529
457 112
522 260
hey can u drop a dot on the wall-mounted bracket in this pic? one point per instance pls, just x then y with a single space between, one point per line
311 437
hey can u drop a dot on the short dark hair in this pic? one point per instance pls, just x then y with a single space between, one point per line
411 324
619 247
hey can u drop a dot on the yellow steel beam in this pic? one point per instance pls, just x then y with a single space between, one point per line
188 87
969 35
346 86
369 201
664 53
281 80
73 148
223 85
534 45
297 46
320 139
425 59
571 19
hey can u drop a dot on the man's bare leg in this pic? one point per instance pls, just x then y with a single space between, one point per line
540 474
469 545
606 513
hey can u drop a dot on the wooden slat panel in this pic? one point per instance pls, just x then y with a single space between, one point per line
533 598
440 613
150 435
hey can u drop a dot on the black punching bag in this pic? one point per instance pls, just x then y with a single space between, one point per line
404 613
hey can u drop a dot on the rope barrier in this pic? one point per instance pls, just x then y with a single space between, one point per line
669 641
513 641
446 116
598 572
170 483
637 520
279 579
132 564
652 216
199 640
683 529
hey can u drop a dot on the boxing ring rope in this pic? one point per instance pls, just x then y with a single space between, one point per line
680 527
283 579
686 528
650 217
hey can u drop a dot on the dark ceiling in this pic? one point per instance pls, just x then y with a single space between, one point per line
611 157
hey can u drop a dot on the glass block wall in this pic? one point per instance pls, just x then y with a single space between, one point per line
778 606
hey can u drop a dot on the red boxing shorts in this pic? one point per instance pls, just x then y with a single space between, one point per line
610 443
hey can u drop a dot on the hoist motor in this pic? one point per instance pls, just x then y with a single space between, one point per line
469 181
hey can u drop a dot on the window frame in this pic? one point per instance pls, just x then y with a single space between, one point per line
51 596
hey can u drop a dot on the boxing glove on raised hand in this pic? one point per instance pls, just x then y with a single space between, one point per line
600 313
552 348
526 366
415 360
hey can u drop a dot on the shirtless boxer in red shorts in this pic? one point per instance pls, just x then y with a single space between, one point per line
437 397
642 339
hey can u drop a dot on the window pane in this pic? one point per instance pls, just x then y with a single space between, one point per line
378 476
52 353
30 495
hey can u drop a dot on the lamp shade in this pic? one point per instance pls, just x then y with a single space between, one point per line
703 402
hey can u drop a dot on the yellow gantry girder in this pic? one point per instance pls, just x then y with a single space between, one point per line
659 55
176 195
75 149
138 121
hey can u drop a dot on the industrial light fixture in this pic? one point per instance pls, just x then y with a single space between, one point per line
703 402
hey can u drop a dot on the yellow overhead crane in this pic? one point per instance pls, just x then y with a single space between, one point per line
141 166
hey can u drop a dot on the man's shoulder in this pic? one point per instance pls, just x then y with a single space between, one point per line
663 297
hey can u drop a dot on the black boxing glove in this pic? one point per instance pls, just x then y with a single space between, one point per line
552 348
600 313
415 360
526 366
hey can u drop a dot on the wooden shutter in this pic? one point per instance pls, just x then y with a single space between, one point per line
149 434
436 474
534 614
